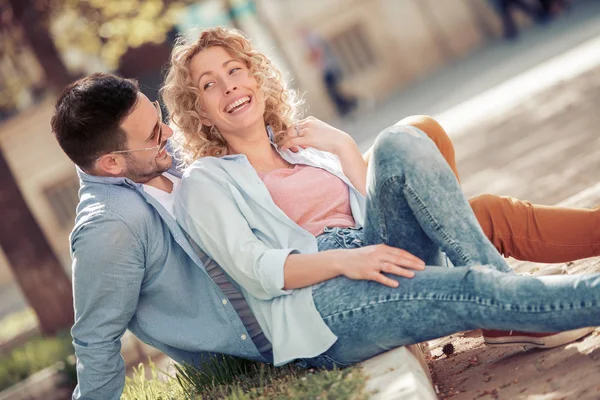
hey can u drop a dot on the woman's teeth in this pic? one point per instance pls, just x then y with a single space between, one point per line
230 108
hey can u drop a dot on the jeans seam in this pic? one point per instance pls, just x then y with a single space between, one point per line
468 299
435 225
383 224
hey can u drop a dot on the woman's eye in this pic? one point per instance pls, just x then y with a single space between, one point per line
208 85
234 70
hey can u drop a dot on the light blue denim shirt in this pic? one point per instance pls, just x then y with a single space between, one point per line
133 268
225 207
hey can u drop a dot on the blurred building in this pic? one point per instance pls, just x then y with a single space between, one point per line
381 45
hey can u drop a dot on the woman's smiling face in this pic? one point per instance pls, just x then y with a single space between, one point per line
230 94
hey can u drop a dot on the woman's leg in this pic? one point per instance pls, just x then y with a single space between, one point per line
518 228
414 202
435 132
537 233
369 318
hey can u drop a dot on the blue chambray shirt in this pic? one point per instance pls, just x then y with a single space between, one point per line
133 268
224 207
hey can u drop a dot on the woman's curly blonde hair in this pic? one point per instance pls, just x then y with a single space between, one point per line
193 140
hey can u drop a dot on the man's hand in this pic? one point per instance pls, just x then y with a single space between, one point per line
370 262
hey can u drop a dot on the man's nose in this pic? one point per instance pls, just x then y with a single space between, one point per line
167 132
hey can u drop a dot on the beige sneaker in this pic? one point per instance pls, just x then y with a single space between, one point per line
544 340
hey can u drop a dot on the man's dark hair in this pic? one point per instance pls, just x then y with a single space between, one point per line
88 115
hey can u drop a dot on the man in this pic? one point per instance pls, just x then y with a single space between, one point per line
133 267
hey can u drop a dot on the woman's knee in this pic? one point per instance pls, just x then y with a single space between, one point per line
401 139
428 125
437 134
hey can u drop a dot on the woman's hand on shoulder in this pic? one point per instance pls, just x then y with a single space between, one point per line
312 132
371 262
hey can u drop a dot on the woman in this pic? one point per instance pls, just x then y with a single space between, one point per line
332 264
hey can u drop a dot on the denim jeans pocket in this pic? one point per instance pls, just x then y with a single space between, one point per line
347 238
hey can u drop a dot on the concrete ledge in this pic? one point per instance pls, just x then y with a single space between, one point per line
400 374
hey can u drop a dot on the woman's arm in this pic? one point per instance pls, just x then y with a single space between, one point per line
353 163
365 263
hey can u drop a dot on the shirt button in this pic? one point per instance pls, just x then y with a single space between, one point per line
243 336
224 301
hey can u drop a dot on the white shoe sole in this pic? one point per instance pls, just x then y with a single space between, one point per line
547 342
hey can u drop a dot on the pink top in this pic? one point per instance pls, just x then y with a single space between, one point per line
311 197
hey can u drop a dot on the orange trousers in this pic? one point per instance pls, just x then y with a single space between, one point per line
518 228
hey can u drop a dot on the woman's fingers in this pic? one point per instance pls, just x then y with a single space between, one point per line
403 260
396 270
400 257
406 255
294 143
384 280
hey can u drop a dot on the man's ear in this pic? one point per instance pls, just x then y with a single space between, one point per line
111 164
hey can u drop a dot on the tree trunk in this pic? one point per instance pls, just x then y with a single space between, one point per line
38 272
35 28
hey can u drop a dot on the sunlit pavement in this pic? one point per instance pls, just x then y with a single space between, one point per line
485 69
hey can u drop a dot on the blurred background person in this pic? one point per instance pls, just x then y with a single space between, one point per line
538 14
553 7
321 54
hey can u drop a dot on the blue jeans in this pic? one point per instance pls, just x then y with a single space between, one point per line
414 202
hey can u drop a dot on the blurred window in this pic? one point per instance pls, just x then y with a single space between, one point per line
63 200
353 50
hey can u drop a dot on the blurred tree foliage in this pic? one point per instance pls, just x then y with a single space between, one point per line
107 28
83 32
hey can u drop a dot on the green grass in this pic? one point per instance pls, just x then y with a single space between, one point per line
235 379
229 378
33 356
